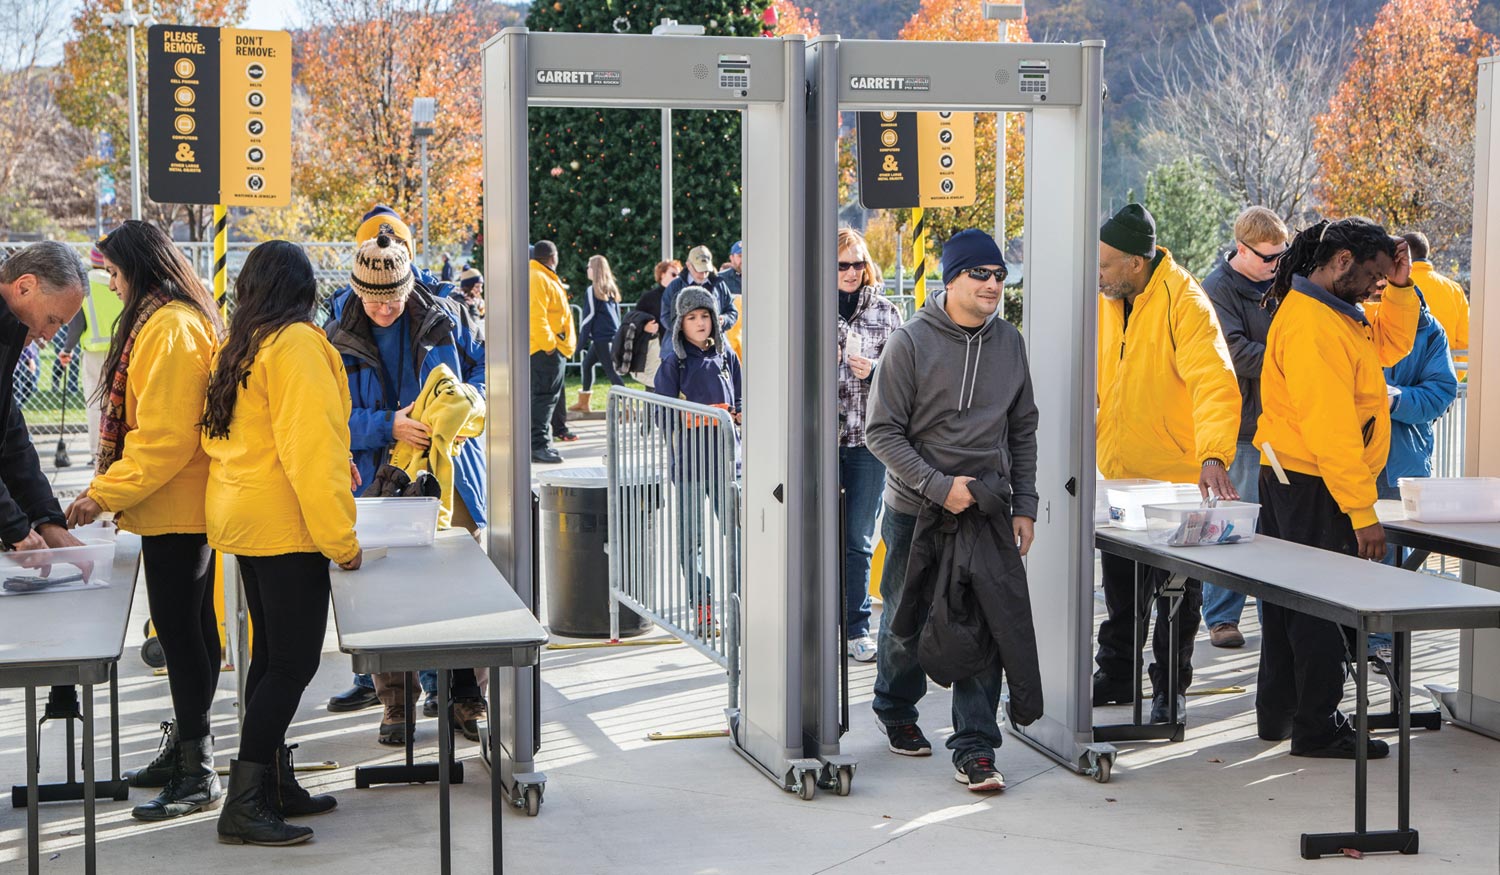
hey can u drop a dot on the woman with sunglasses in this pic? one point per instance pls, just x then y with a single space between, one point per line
866 320
650 302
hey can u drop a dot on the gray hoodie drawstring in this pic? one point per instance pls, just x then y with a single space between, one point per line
973 381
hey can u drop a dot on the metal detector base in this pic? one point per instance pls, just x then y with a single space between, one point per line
800 776
1090 759
524 789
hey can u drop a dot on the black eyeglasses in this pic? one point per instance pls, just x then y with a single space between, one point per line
983 274
850 265
1268 259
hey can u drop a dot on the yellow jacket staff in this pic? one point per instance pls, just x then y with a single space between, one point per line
1325 410
1168 399
551 319
280 481
157 485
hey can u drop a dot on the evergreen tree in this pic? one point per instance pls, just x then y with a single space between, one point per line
1192 215
595 173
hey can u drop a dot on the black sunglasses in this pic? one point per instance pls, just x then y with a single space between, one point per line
1265 258
983 274
850 265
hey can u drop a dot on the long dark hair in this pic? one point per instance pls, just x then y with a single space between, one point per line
275 288
148 261
1316 246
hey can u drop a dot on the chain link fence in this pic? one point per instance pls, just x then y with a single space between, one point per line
51 394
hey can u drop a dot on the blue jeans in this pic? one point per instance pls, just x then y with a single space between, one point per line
426 677
863 478
899 680
1226 605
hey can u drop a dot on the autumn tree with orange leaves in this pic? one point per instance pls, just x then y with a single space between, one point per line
360 63
1396 143
964 21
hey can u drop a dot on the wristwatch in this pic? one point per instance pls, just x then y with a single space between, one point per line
1217 463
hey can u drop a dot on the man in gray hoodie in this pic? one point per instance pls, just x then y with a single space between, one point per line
951 401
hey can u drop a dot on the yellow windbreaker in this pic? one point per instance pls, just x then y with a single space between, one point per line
1325 410
1449 306
551 319
454 411
1168 398
156 486
279 483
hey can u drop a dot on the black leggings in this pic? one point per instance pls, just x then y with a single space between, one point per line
598 354
288 600
180 587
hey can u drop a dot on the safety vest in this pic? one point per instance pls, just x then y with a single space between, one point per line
101 310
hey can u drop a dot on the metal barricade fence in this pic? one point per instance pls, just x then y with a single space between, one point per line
674 521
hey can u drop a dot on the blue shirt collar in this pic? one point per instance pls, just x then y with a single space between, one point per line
1311 289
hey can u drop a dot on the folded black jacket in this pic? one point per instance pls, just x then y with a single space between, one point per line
628 350
967 572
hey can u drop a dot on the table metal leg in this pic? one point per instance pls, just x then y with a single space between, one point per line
89 790
114 724
1403 773
1361 728
1136 633
33 766
1172 605
1415 560
445 756
498 799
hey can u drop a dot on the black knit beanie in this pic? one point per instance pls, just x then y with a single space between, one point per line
1132 230
969 248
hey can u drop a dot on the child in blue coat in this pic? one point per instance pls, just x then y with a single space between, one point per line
698 366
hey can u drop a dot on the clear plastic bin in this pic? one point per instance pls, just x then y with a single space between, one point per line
66 568
1451 499
396 522
1192 525
1127 504
1101 495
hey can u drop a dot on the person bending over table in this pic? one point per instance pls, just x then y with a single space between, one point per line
1326 420
152 389
279 498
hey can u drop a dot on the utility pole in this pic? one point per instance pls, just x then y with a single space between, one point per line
669 27
1002 13
127 19
423 114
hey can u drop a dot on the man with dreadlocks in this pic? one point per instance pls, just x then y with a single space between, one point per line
1169 409
1324 432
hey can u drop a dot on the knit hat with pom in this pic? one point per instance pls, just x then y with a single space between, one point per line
382 270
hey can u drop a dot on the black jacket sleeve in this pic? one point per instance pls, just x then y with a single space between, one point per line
26 498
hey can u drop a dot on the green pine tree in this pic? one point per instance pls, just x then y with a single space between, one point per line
595 174
1192 215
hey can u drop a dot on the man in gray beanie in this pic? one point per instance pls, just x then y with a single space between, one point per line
951 404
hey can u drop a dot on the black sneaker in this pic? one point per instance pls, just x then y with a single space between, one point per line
430 705
1343 748
980 776
908 741
1110 691
1159 708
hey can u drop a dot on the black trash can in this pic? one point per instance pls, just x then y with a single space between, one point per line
574 525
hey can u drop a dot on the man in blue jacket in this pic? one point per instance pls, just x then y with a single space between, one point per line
389 343
700 272
1421 387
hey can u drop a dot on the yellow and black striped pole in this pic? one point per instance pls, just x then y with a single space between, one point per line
919 254
221 234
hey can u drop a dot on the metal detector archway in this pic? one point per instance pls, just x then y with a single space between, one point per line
523 69
1060 87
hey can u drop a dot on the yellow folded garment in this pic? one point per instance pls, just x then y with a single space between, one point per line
453 410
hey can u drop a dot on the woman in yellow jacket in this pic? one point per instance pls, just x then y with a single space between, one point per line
151 474
279 499
1326 421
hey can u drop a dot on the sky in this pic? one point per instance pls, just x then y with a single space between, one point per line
262 15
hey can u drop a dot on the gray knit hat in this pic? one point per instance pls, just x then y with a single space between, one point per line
382 270
690 299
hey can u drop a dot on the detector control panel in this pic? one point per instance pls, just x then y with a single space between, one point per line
1033 77
734 74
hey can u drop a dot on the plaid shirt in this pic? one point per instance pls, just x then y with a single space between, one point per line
875 317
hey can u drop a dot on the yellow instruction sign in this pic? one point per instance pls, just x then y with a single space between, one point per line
946 158
255 86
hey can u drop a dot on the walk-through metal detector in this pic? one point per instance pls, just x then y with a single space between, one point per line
764 80
1061 93
1476 703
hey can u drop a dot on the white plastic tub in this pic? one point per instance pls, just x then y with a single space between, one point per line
396 522
1127 504
1192 525
1101 495
67 568
1451 499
